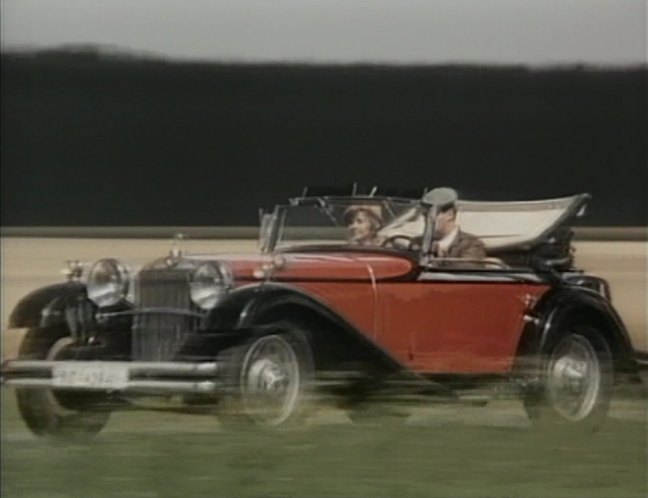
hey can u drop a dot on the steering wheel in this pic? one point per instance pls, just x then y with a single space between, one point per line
399 242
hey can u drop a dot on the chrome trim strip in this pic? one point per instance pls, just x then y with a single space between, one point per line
205 386
477 277
133 367
150 311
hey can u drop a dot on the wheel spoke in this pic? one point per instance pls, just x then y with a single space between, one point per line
272 380
574 378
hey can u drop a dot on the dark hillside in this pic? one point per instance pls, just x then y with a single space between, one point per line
100 140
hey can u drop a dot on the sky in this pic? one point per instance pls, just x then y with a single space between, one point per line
531 32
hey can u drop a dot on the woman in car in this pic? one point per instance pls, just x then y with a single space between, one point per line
363 222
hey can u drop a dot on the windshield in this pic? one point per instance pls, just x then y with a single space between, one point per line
353 221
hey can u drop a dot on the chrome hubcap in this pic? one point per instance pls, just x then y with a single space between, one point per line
270 381
574 378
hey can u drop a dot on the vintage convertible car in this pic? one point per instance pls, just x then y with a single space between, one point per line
256 338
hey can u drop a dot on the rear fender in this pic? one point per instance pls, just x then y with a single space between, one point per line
567 306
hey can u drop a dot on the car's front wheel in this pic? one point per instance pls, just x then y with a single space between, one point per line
576 382
56 412
270 380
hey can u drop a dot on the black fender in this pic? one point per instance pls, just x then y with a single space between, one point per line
67 305
567 305
335 341
45 307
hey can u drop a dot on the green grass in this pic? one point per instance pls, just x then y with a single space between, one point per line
151 455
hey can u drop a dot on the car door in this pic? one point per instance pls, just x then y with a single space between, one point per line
446 321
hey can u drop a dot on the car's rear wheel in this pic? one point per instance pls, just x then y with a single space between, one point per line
576 382
50 412
270 381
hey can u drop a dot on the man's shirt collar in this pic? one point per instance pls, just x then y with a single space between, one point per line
447 241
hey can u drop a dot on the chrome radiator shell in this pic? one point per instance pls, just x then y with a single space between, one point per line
167 314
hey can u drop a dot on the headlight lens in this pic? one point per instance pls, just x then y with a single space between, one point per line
209 285
108 282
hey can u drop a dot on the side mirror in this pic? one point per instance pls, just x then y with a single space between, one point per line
266 221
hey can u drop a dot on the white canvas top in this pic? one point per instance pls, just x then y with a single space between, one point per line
498 224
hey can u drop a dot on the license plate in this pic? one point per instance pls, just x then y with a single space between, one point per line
90 376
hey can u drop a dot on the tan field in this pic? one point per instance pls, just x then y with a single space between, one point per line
29 263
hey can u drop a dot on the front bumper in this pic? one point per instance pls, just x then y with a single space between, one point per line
113 376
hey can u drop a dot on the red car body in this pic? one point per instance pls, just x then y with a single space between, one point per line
263 332
419 319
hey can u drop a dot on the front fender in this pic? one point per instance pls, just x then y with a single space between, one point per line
332 337
45 307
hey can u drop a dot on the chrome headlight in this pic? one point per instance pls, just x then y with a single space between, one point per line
108 282
209 284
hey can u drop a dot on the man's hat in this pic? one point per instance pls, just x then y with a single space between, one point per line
443 198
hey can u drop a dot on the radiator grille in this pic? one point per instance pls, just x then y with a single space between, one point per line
158 332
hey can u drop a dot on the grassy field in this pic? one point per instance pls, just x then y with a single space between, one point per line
469 452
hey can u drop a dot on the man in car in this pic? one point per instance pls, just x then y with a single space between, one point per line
449 241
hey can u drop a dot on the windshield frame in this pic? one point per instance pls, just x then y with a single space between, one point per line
274 222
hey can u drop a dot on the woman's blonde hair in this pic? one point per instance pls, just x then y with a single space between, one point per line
372 210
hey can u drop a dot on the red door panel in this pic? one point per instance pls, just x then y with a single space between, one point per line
454 327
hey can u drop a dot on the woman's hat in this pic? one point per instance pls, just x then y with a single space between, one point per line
373 210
